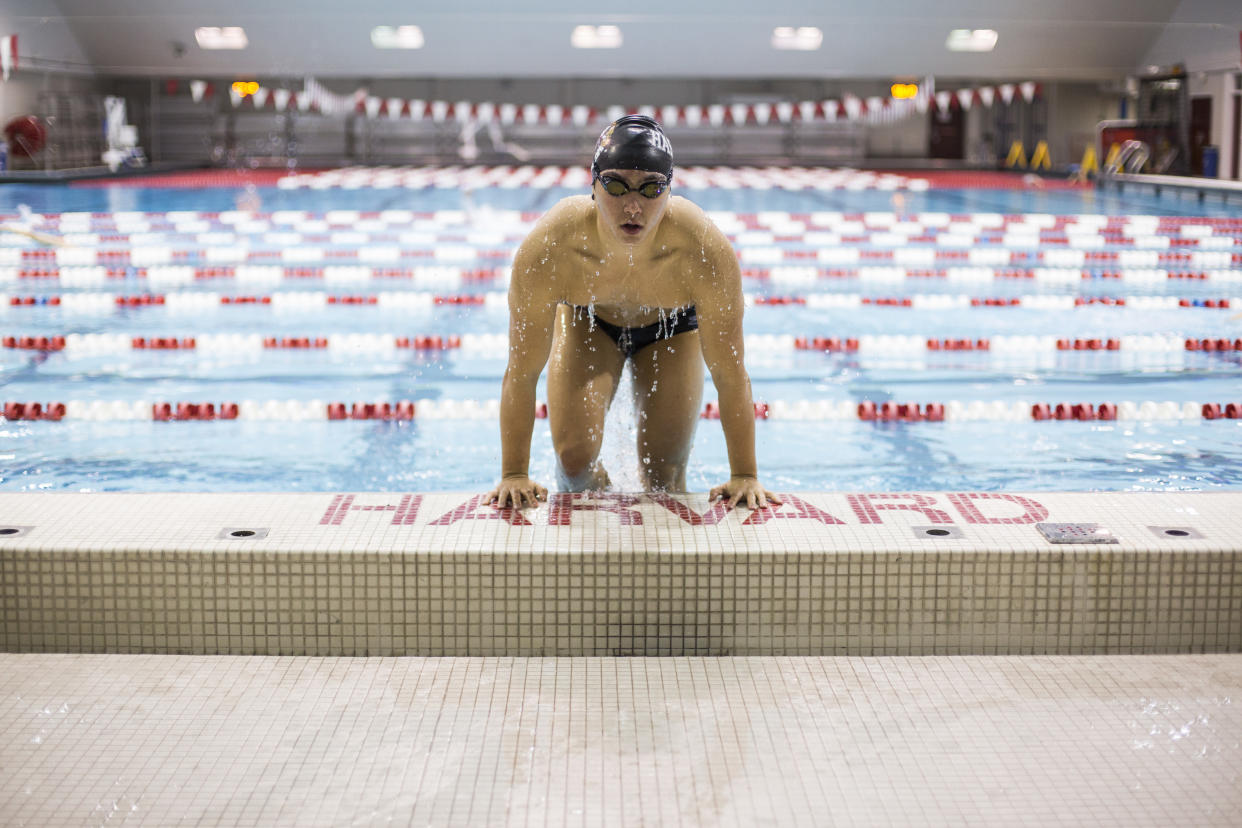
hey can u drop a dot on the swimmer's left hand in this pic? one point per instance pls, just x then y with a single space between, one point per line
744 489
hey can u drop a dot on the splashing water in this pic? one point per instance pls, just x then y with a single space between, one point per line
617 452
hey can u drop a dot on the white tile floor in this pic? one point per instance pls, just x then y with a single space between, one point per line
91 740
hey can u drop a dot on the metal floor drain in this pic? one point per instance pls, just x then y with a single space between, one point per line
937 532
1175 532
1076 533
242 533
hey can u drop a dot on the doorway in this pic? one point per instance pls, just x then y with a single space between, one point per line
1200 131
946 135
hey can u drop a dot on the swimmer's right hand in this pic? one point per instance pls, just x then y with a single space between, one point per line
517 491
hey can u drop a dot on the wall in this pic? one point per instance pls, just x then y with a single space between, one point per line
1200 34
45 43
53 75
181 129
172 128
1073 112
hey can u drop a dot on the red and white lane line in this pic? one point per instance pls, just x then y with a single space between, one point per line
428 409
1008 346
257 275
1016 347
98 302
198 302
447 278
79 346
346 227
754 247
856 252
488 227
577 177
1128 229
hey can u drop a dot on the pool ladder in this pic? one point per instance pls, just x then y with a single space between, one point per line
1132 158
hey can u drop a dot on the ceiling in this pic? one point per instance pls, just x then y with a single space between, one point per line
1039 39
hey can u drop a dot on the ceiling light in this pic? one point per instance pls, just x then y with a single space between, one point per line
397 37
595 37
971 40
804 38
221 37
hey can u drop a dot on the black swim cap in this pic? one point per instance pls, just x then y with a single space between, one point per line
634 142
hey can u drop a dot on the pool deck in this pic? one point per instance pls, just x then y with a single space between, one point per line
271 741
847 658
619 574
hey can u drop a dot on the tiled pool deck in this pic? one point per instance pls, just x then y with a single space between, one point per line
845 659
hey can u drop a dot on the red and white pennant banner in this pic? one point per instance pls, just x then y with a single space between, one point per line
850 108
987 95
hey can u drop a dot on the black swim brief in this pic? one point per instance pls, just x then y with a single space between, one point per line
633 340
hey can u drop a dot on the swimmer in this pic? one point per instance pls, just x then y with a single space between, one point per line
899 205
34 235
631 274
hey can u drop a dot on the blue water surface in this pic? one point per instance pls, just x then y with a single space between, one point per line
429 455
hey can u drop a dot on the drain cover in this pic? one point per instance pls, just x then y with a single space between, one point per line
1175 532
937 532
242 533
1075 533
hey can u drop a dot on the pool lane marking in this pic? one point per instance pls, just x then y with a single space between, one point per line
887 411
1010 347
840 267
102 302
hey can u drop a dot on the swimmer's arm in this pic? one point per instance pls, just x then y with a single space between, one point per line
720 334
532 313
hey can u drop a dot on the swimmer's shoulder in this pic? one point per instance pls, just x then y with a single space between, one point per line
555 236
692 224
565 216
691 217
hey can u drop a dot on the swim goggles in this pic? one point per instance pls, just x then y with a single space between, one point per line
617 187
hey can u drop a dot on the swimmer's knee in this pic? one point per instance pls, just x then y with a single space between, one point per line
577 460
591 479
664 476
579 469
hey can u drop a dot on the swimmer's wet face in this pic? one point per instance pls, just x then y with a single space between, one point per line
633 158
632 215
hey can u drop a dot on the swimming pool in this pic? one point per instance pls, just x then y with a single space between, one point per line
973 308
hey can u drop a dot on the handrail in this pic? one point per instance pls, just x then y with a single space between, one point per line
1132 158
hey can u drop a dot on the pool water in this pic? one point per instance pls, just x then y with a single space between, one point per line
813 439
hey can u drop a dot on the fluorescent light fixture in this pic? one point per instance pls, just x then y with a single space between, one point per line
803 38
595 37
221 37
397 37
971 40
